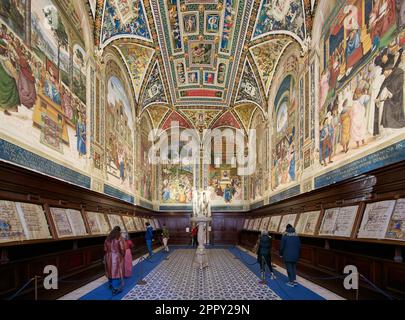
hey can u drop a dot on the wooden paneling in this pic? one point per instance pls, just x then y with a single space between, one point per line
177 224
78 259
9 278
95 255
18 184
325 257
381 184
71 264
326 260
307 255
225 227
318 263
394 277
82 257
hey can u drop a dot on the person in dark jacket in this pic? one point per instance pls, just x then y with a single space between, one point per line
264 254
290 248
194 236
149 238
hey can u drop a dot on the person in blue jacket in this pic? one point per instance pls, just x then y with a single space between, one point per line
149 237
264 254
290 248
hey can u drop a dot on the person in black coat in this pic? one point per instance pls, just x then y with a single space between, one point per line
290 249
264 253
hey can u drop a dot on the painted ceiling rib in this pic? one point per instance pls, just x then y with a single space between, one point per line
199 48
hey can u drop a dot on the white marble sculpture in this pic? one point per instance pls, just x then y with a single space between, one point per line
202 217
201 204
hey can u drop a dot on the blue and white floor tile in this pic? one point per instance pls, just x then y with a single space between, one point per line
233 274
307 290
225 279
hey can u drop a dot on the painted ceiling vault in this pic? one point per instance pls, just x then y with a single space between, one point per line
201 58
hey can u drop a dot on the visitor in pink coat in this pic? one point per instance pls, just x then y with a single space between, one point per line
128 256
114 248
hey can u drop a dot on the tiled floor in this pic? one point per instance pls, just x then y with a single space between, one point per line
225 279
78 293
324 293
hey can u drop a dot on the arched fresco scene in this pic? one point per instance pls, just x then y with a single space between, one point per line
216 123
317 94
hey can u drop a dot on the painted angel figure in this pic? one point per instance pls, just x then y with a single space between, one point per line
280 9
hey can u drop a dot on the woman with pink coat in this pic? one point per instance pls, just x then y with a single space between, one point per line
114 251
128 256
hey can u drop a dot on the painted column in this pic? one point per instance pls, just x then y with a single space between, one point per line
28 23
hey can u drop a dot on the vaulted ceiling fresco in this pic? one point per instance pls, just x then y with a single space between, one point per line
201 119
245 113
285 16
201 57
249 90
201 47
267 56
124 18
137 59
157 113
154 90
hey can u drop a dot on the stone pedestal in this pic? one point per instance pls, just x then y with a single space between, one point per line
201 259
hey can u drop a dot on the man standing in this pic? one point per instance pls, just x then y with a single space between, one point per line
194 234
148 238
290 252
264 253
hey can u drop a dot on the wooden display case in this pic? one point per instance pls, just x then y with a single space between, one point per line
78 255
377 256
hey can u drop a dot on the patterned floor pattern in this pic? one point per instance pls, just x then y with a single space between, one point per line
226 278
